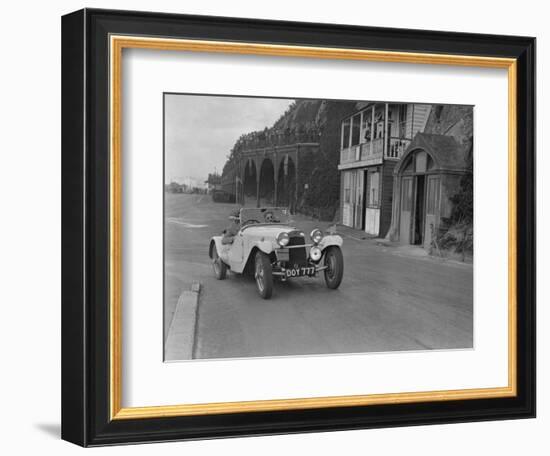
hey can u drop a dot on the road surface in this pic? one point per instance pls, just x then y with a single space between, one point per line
388 300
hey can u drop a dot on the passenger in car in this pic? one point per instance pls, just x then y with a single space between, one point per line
231 231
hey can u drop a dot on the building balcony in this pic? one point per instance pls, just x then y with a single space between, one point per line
372 149
368 153
397 147
372 152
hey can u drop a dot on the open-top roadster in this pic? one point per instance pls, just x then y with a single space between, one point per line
266 244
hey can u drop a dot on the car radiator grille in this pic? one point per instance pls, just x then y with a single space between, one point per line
297 256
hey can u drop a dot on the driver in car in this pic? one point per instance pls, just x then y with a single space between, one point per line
270 218
231 231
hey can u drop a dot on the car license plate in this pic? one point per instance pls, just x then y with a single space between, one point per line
300 271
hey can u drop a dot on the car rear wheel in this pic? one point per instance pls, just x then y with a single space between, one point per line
263 274
220 268
334 261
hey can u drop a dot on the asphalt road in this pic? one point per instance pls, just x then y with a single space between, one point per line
390 298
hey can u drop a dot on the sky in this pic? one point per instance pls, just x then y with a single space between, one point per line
200 130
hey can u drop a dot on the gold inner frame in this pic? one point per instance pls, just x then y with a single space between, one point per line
117 44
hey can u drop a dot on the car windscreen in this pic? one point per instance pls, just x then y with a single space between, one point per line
265 215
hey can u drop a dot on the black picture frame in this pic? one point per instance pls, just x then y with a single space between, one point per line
85 228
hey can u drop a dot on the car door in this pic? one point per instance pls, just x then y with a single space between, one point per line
236 252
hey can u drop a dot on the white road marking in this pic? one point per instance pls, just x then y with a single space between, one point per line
185 224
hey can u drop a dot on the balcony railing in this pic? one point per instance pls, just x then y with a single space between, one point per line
371 150
374 150
397 147
347 155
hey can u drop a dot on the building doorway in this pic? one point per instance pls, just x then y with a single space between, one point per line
358 200
352 207
372 201
406 210
427 176
413 203
419 205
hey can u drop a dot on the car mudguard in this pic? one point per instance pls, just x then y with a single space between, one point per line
216 243
331 239
265 246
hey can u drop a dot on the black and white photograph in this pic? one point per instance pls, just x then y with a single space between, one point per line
297 227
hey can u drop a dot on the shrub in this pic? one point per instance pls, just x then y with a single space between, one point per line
457 232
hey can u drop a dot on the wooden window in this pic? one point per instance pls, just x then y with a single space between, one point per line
406 199
346 133
355 129
374 189
433 195
409 166
368 125
421 161
347 187
402 133
364 126
430 164
402 113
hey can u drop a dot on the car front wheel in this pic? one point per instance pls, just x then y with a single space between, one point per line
334 262
263 275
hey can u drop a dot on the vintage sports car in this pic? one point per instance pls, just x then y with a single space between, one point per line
265 244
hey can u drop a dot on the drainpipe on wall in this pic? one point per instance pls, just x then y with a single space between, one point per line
386 110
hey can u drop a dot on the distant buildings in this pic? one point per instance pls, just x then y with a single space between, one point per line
214 182
174 187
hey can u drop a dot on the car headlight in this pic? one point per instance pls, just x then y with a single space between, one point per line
316 235
315 253
283 239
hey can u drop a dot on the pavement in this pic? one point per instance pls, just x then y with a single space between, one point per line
180 338
391 298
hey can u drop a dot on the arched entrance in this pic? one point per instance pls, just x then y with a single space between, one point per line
286 183
249 182
426 178
267 183
416 222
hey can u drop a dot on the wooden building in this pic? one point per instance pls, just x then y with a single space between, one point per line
373 140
